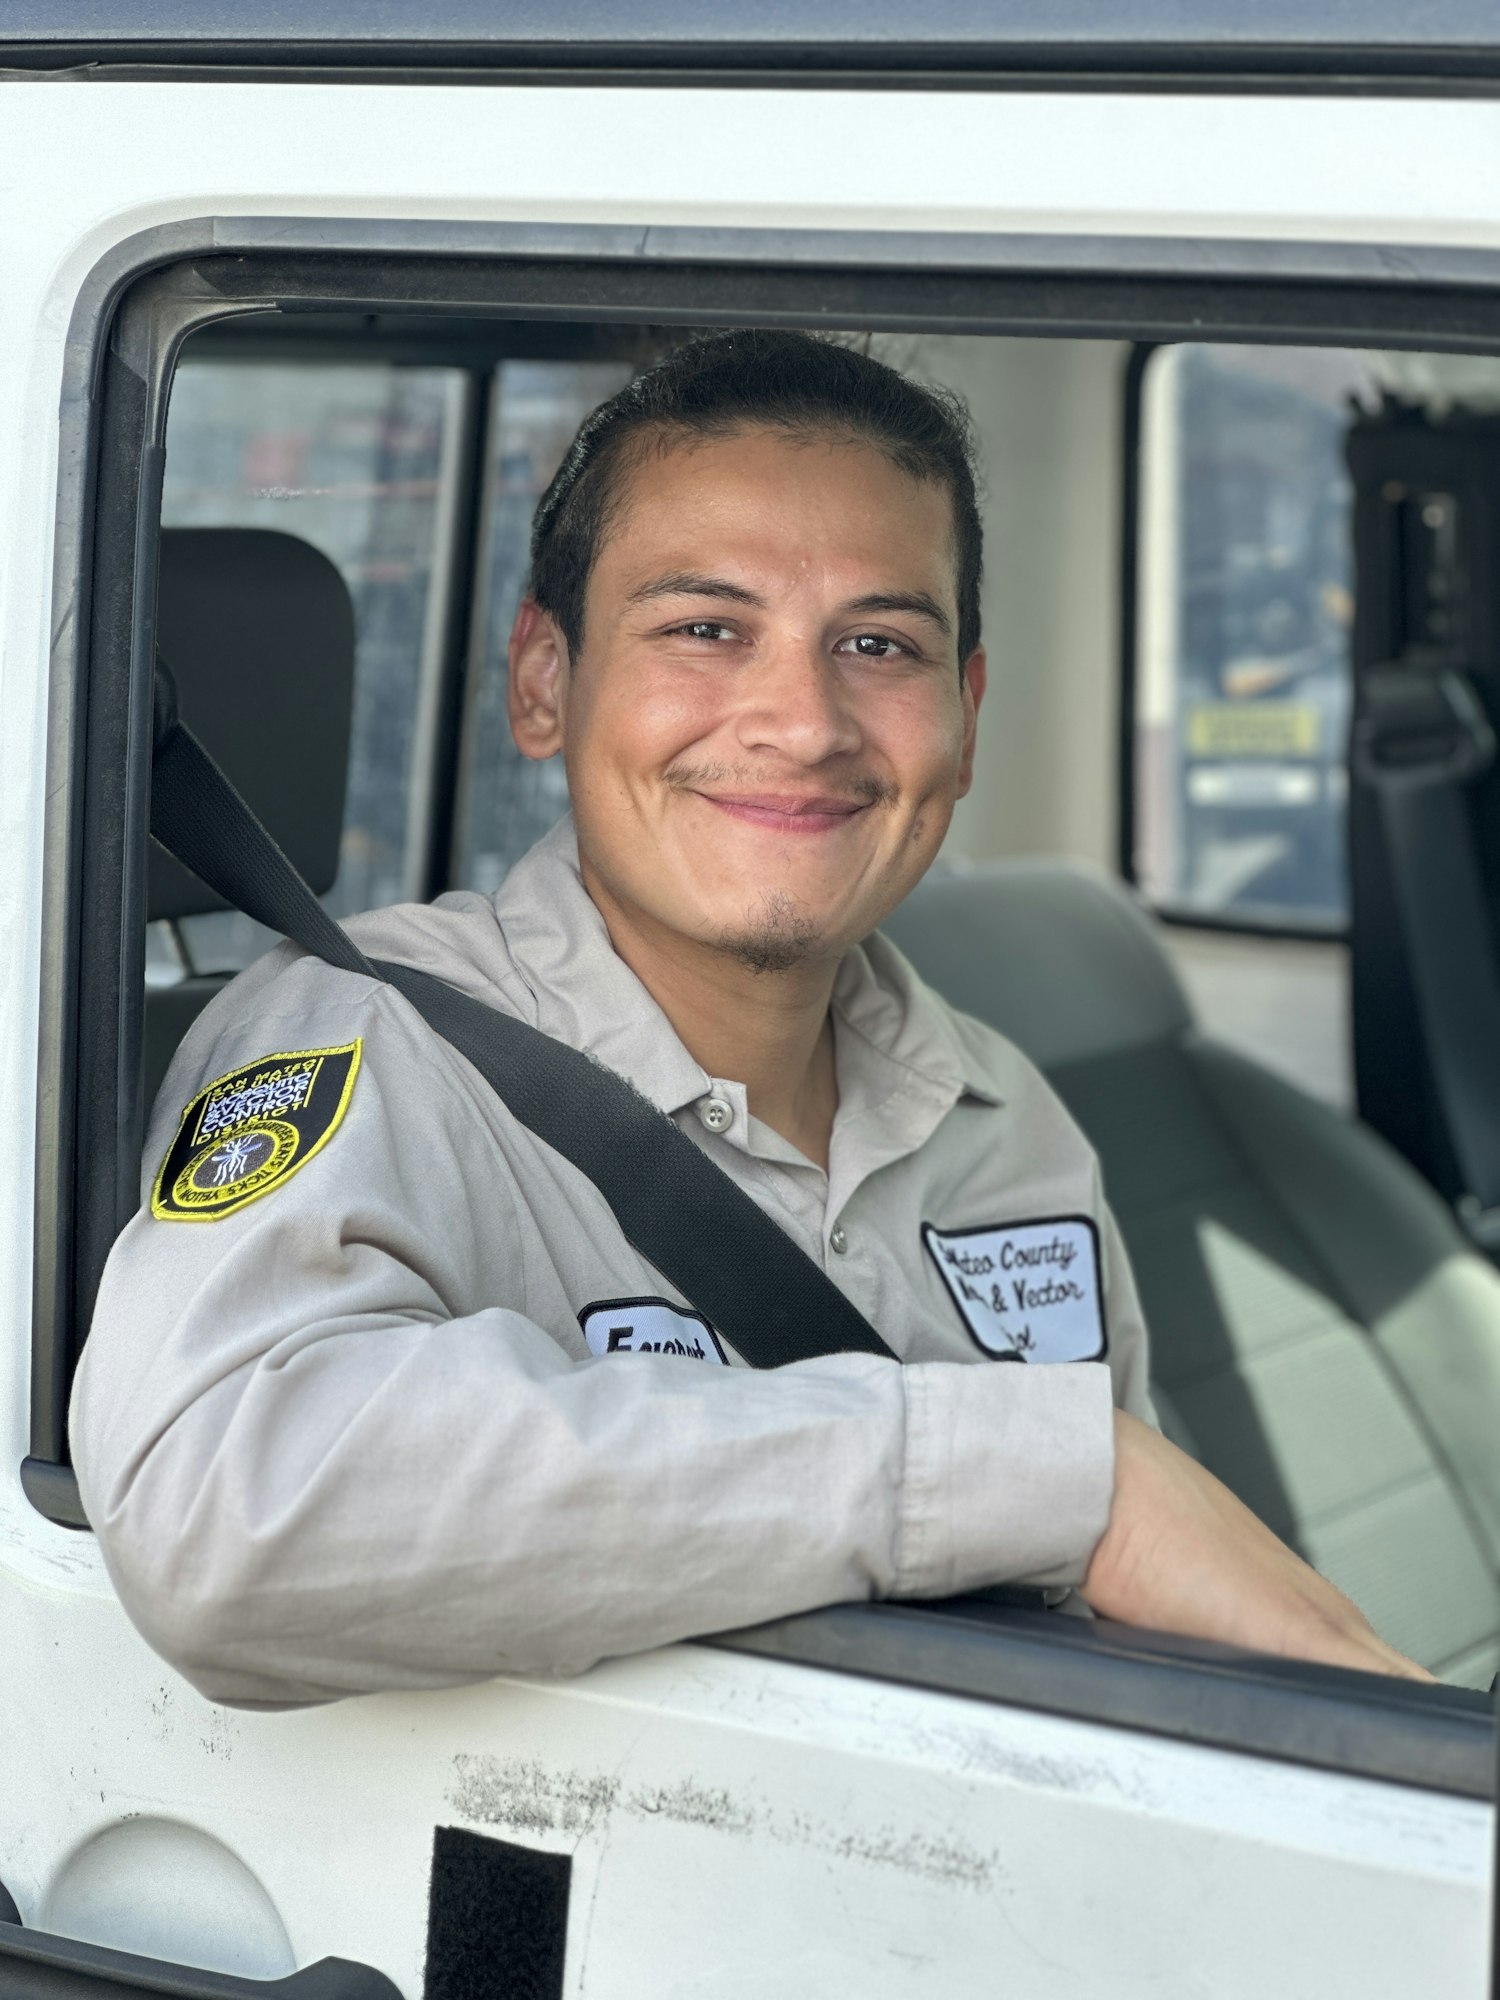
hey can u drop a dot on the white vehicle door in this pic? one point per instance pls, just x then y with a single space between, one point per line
887 1800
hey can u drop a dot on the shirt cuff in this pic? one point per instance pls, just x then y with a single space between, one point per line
1008 1476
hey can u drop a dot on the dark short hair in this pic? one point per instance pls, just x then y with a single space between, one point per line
802 383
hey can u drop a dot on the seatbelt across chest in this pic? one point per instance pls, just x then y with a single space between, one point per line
684 1215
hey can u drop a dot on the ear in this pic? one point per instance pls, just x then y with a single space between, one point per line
976 677
538 682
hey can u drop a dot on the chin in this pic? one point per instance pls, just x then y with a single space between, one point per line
777 934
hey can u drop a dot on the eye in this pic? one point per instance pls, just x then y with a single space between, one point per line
707 629
873 646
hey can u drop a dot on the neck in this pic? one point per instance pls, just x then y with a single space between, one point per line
769 1031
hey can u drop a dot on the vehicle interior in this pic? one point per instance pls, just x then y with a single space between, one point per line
1244 648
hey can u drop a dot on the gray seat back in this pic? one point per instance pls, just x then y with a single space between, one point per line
258 630
1322 1336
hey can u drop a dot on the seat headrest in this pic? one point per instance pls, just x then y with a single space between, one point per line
1059 959
258 631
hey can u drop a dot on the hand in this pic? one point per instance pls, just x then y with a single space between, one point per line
1181 1554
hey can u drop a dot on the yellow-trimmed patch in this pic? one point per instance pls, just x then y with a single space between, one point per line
247 1132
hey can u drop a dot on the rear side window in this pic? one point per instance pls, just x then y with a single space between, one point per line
364 461
1244 613
356 459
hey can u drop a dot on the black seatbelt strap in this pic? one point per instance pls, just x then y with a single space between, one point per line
1421 742
681 1212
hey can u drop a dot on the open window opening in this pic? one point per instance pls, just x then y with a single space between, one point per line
395 419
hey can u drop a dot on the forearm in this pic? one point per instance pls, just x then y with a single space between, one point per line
402 1505
386 1503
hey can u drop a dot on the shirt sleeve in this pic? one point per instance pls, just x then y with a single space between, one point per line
316 1469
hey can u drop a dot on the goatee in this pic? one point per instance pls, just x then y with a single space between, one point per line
779 939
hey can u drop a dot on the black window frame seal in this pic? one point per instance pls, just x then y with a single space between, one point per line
1191 1690
132 316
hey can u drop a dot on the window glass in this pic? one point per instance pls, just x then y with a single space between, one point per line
355 459
1246 607
509 801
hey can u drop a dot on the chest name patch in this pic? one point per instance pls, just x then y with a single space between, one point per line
247 1132
649 1326
1026 1291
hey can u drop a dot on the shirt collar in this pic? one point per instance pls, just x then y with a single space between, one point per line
902 1066
882 1005
581 991
893 1036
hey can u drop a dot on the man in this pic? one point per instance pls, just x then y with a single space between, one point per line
378 1395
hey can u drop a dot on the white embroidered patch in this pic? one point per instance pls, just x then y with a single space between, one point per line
649 1326
1028 1291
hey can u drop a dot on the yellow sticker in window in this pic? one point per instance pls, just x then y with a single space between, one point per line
1254 729
250 1130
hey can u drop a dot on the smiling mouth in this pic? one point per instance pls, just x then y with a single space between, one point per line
787 815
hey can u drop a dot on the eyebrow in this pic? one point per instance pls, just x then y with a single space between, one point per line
905 600
692 583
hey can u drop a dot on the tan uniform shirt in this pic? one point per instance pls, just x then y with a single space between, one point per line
388 1424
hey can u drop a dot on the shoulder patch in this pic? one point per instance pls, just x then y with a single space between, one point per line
247 1132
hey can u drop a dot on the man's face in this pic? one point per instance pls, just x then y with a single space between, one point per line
767 730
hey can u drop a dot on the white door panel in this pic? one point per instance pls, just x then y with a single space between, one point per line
739 1825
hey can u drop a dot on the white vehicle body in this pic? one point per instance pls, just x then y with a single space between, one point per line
737 1822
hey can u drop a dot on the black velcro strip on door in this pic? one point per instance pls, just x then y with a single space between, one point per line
497 1919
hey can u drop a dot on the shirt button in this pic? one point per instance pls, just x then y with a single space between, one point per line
837 1240
716 1114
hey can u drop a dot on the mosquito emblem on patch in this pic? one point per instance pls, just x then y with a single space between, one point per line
247 1132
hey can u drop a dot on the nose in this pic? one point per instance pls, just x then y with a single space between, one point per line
796 704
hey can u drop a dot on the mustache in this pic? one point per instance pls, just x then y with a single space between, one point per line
859 788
